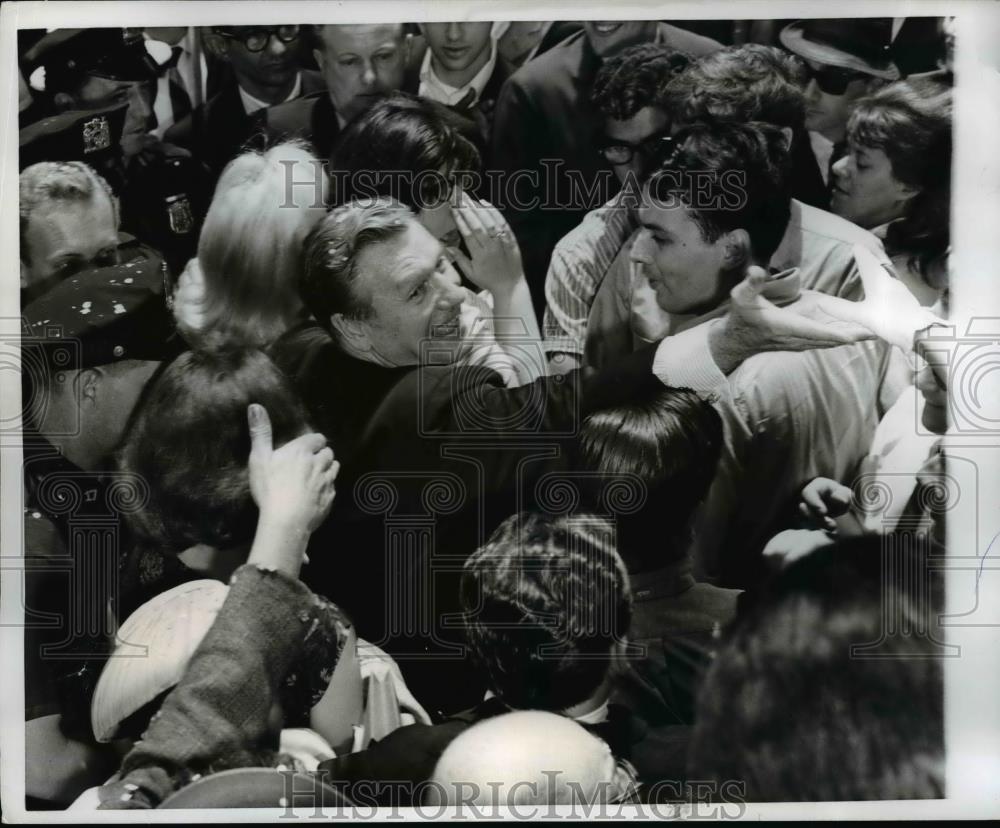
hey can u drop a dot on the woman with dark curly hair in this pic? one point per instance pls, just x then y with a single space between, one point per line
896 179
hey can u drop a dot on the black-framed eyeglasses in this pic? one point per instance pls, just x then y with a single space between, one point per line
257 40
618 152
832 80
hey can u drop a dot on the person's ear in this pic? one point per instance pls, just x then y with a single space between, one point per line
24 275
88 384
318 55
63 101
216 45
736 249
788 134
353 332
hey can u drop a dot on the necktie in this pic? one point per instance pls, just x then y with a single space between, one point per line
180 100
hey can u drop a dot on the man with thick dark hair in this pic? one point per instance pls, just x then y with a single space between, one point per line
718 205
626 94
545 116
664 449
733 85
752 83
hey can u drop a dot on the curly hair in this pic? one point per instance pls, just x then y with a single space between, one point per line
910 121
635 78
729 176
190 442
545 602
670 441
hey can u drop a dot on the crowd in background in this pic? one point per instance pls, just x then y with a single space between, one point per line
484 412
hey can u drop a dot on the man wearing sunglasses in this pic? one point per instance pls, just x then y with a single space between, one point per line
846 59
266 70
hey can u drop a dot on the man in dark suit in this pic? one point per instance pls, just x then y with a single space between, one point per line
265 72
359 63
434 453
544 114
463 69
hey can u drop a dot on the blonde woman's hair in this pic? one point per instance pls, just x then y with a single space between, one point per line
250 251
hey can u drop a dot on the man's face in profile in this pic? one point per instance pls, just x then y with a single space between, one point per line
360 64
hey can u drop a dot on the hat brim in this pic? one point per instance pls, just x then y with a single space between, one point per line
794 39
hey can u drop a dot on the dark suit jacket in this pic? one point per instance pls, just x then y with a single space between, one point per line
225 128
314 117
433 458
544 112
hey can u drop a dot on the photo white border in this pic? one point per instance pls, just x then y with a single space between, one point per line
972 685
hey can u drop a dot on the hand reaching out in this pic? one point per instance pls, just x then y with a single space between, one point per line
889 310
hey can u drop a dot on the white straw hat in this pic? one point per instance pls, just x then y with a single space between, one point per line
152 651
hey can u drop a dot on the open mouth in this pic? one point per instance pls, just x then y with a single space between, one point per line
607 28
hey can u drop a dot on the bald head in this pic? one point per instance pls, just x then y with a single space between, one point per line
527 758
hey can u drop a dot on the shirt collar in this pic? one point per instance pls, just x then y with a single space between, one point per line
252 104
431 86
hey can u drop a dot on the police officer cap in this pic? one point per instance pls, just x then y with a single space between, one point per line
101 316
69 54
78 135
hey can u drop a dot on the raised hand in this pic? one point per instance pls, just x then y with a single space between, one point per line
494 260
293 486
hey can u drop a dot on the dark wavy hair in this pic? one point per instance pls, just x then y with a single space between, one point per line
744 83
669 443
634 78
789 707
729 176
404 147
544 601
910 121
190 442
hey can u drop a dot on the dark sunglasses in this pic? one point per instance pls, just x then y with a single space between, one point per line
257 40
833 81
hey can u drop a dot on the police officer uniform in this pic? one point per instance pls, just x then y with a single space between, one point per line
73 528
162 190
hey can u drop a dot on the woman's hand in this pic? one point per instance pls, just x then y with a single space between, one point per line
823 500
494 260
292 486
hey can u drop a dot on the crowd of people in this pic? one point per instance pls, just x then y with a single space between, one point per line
474 412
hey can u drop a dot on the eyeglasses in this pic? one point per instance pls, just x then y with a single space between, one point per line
620 153
257 40
833 81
